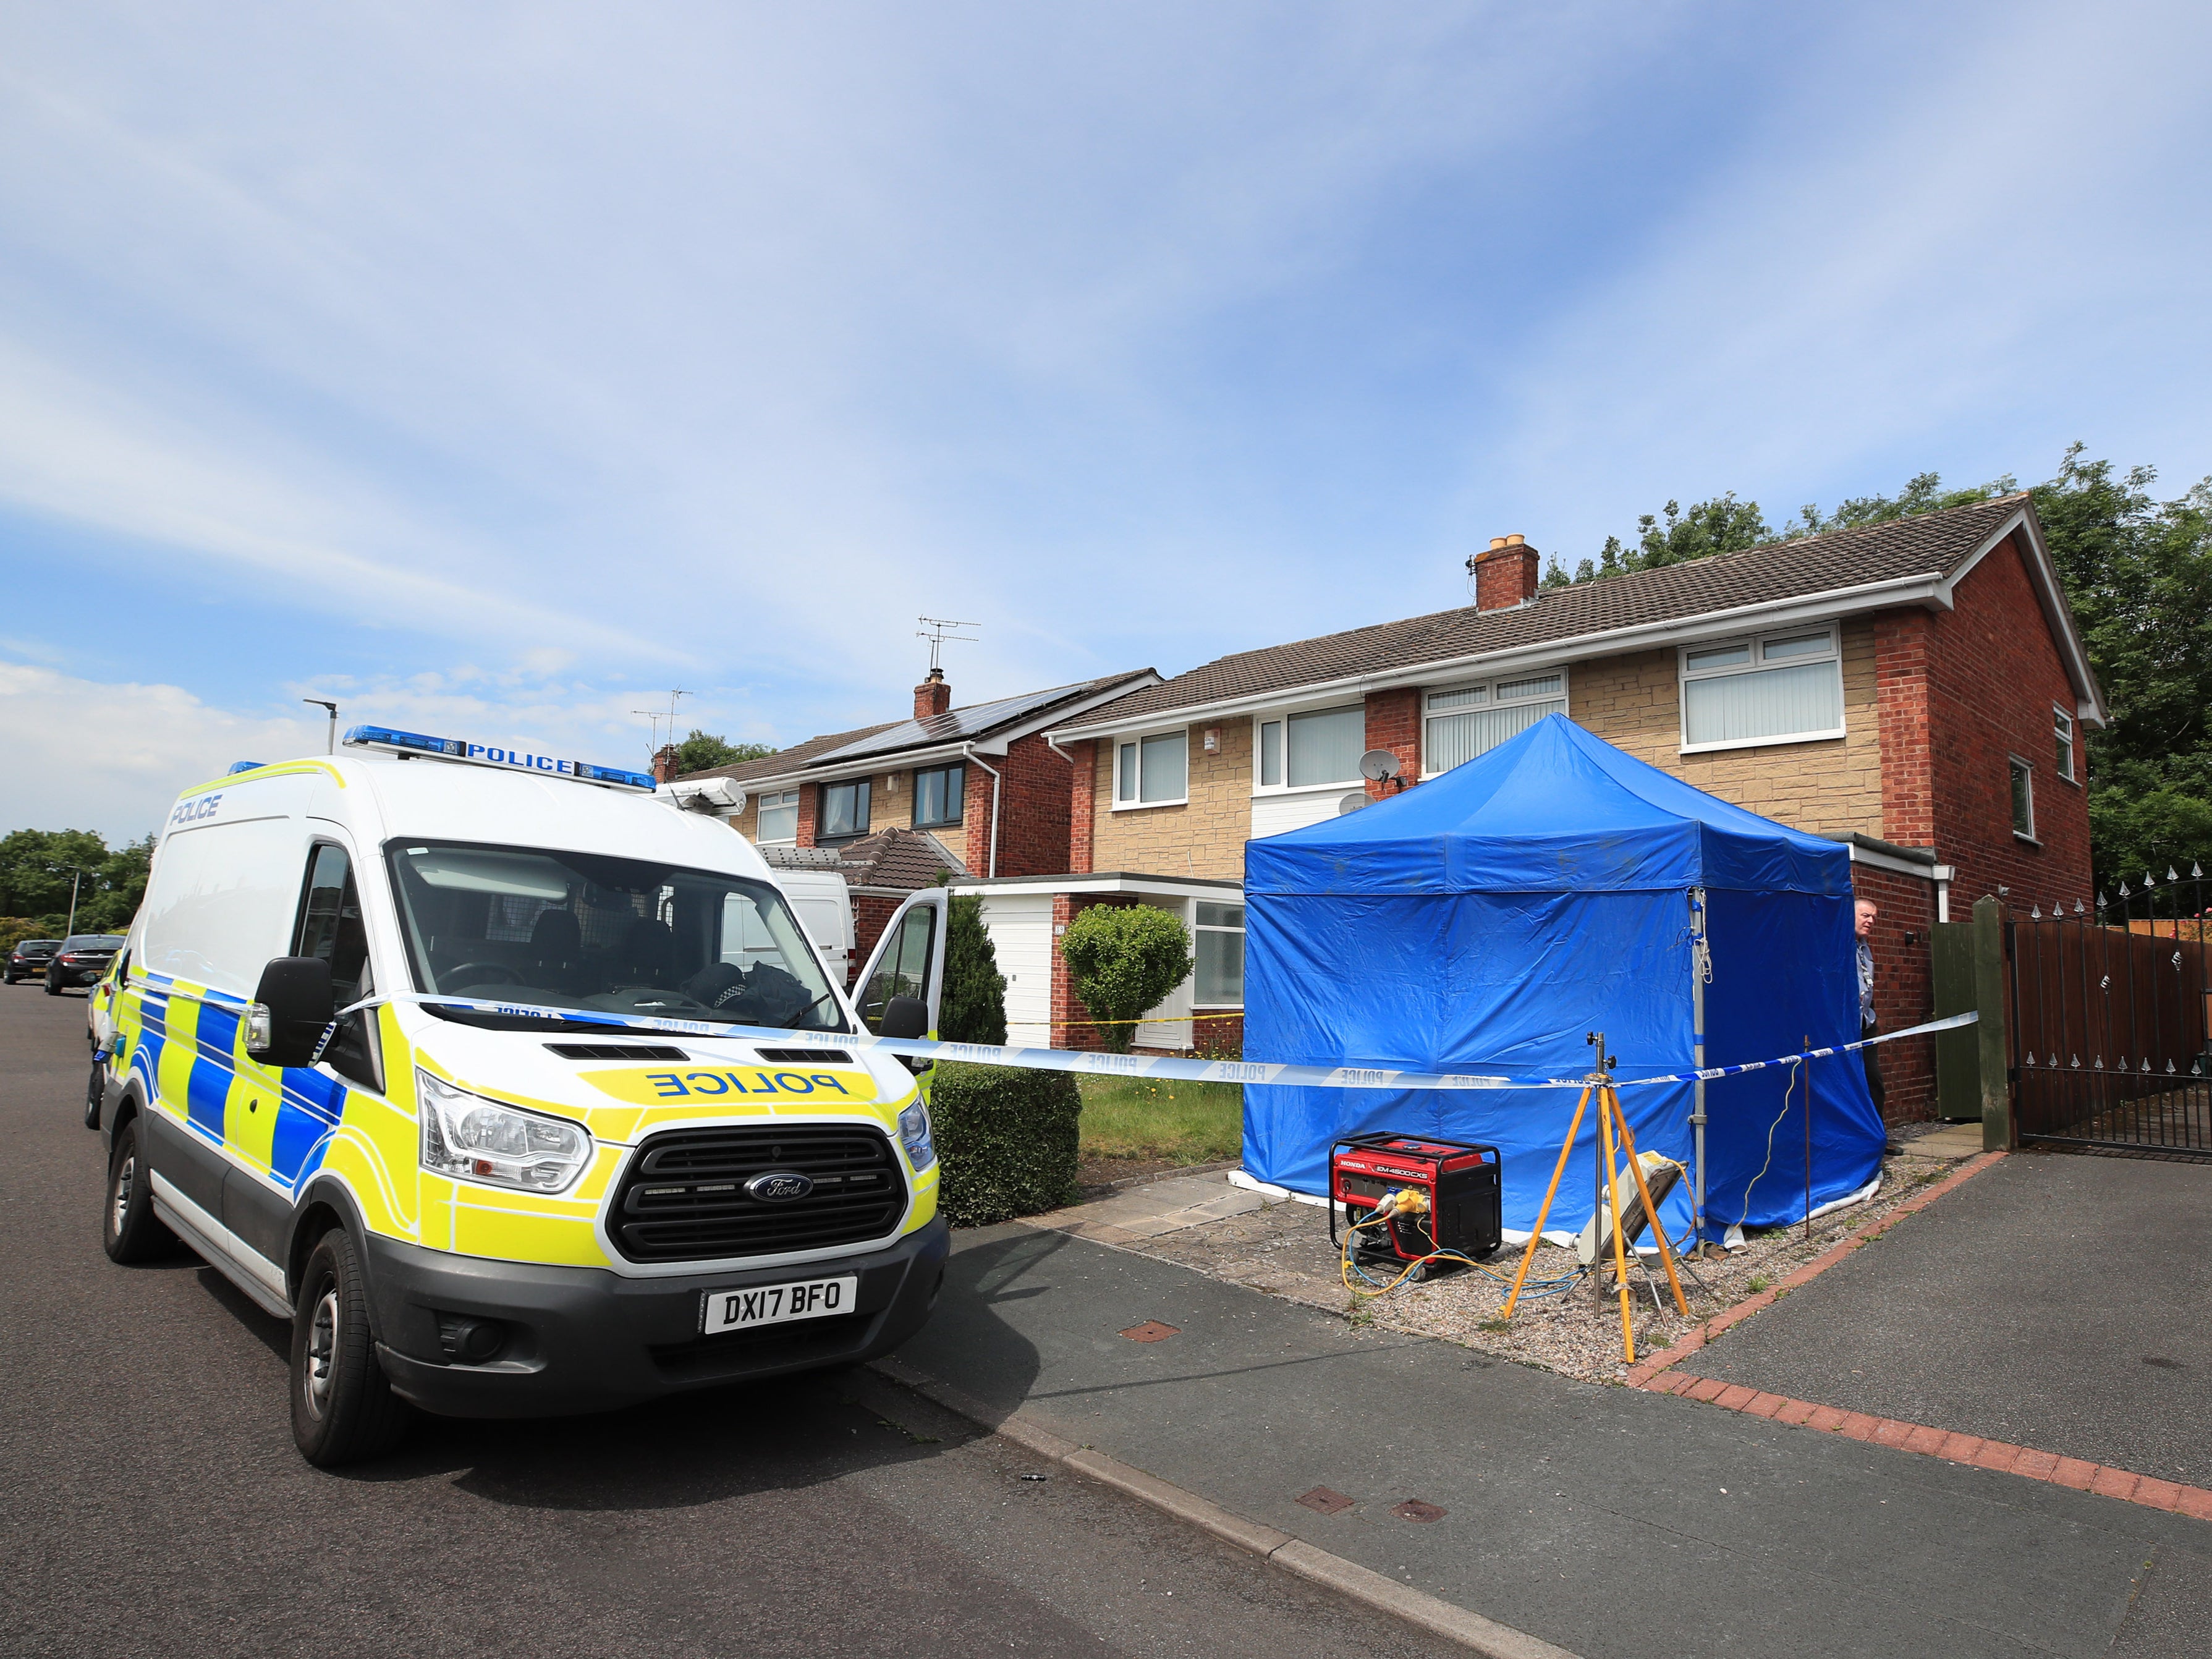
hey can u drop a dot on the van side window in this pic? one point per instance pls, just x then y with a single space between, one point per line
331 929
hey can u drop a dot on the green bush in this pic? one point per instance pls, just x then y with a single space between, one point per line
974 1009
1007 1138
1125 958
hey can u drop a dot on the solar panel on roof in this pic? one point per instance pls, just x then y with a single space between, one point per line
952 727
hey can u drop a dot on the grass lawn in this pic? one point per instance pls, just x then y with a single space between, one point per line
1184 1122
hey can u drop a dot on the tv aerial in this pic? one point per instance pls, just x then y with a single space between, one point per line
1379 765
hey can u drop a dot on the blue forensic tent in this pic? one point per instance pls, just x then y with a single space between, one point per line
1484 921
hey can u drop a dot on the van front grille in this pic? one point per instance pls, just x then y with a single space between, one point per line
684 1198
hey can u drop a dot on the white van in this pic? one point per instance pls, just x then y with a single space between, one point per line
455 1056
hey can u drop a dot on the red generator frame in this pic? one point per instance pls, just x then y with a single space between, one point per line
1460 1179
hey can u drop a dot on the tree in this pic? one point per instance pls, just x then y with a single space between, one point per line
38 867
702 750
1922 493
2138 572
974 1003
1124 958
1723 525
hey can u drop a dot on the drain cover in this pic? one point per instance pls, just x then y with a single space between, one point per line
1413 1510
1150 1331
1327 1502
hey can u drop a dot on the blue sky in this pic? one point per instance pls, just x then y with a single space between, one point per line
494 369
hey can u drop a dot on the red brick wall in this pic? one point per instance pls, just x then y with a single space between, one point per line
1394 722
1908 801
872 913
1082 805
809 796
1068 1011
1034 813
1904 987
1993 674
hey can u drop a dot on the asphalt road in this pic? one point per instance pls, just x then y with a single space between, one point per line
151 1501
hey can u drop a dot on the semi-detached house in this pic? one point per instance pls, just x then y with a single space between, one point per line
1916 690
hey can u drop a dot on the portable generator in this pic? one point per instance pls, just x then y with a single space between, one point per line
1448 1196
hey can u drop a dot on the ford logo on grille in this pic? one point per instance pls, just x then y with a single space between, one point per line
779 1186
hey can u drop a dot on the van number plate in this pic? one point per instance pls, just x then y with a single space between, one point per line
776 1304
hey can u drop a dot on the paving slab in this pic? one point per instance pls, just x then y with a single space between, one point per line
1165 1205
2056 1301
1605 1520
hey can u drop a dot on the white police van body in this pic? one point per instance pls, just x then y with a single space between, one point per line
452 1056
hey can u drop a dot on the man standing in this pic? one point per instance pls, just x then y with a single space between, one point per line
1863 911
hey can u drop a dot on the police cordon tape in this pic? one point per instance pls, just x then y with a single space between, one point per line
1111 1065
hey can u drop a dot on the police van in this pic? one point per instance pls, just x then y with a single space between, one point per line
465 1062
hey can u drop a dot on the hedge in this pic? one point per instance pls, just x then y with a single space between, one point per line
1007 1139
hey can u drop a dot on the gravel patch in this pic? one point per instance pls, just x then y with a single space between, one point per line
1283 1250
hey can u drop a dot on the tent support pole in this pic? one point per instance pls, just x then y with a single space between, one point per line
1701 970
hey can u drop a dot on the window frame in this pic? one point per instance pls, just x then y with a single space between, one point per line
863 797
780 798
1137 740
1490 700
1685 675
2065 736
1198 928
2017 767
961 798
1282 718
355 1042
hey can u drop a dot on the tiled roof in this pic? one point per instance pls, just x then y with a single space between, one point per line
1931 545
905 859
978 720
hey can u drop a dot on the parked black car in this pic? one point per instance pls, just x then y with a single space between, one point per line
29 958
82 958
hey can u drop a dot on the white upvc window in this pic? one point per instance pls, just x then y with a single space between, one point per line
1462 721
779 817
1314 748
2062 725
1218 939
2023 797
1152 770
1785 687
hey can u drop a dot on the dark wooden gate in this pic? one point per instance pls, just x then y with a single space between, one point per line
2108 1023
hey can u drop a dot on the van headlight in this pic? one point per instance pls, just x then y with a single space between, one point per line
473 1138
913 1135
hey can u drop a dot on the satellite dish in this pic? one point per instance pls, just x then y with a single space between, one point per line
1378 764
1352 803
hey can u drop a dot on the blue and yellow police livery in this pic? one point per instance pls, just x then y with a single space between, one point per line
441 1051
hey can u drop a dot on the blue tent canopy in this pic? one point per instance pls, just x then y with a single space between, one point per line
1488 919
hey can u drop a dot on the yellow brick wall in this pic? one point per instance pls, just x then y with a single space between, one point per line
1204 838
1831 788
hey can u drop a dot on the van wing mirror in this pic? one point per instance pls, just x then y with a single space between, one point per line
293 1006
905 1017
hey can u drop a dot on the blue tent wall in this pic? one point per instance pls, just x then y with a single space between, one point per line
1488 919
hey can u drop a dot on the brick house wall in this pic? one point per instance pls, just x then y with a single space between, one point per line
1832 787
1083 806
1394 722
1904 985
1204 837
1993 674
1035 811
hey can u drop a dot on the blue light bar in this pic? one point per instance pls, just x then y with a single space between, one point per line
507 760
236 767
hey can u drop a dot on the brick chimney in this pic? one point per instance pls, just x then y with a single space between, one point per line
664 762
933 696
1505 573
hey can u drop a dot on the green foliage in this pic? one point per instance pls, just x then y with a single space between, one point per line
1008 1139
2139 573
1123 960
701 750
38 866
974 1009
1922 493
1723 525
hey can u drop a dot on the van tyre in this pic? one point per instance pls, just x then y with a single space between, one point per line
129 1229
343 1406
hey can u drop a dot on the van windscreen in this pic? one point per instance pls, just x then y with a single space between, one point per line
608 935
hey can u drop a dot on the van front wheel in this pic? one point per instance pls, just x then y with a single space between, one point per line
343 1407
130 1229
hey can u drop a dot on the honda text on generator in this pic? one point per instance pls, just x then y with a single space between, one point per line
1406 1200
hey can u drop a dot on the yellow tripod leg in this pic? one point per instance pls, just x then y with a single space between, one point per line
1620 1250
1536 1236
1651 1210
